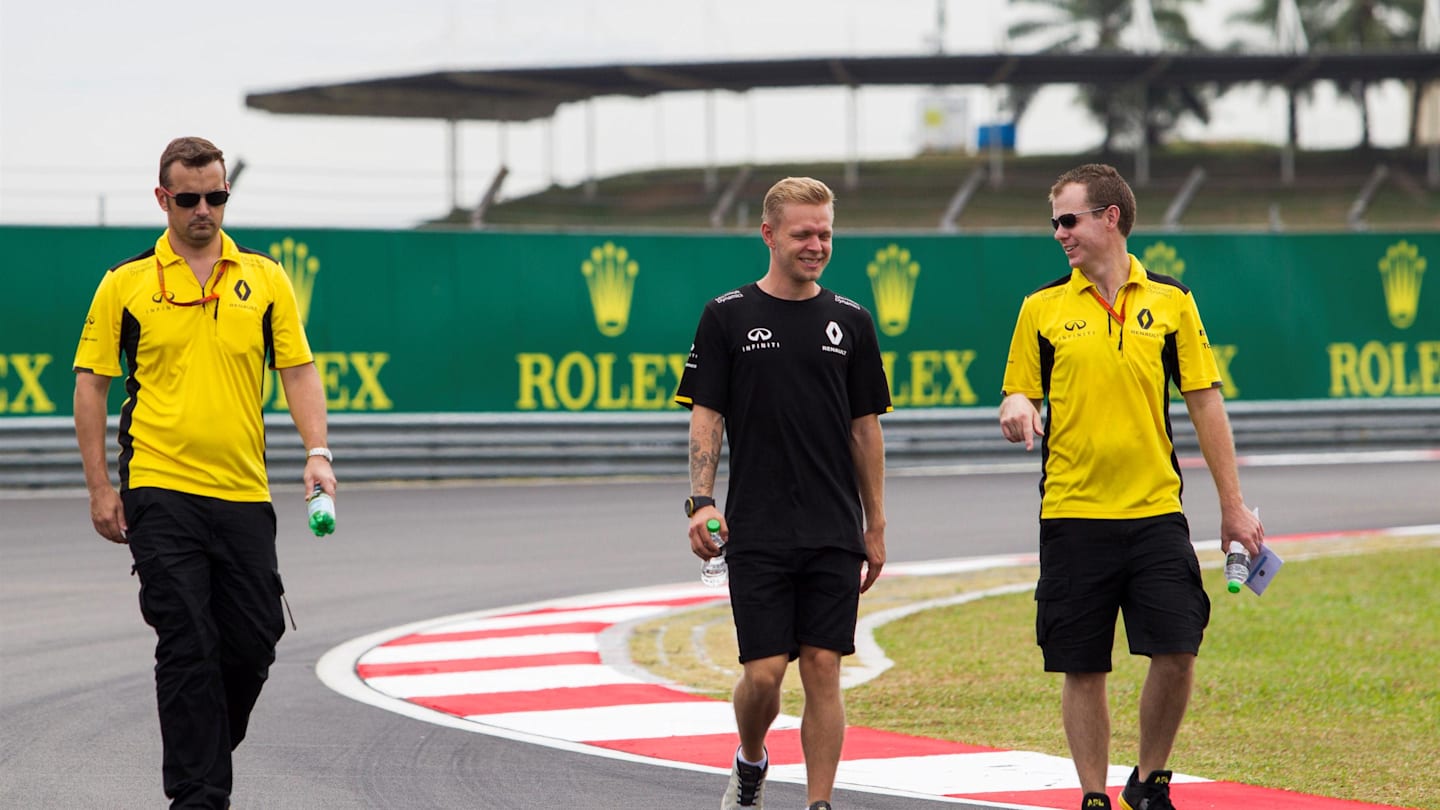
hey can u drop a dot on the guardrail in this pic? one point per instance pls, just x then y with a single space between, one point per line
40 452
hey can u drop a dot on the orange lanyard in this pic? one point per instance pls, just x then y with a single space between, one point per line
1118 317
169 297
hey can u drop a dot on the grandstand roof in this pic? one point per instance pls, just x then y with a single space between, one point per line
523 94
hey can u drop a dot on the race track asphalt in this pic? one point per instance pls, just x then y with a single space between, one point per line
76 687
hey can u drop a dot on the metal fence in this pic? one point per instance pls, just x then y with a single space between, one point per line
40 452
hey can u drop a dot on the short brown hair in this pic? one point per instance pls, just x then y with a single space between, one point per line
1103 186
191 152
802 190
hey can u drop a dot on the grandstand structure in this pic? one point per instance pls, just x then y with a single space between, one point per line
1244 187
1191 188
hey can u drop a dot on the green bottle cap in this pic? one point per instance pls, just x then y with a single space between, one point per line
712 525
1233 587
322 523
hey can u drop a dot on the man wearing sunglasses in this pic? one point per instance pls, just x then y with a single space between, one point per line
1103 344
195 318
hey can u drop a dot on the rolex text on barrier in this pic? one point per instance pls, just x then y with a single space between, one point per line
493 322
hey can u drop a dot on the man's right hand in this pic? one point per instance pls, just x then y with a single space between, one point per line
108 514
700 543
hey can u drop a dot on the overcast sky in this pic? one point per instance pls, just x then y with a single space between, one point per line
91 91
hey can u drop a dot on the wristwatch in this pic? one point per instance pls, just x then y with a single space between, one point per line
695 503
320 451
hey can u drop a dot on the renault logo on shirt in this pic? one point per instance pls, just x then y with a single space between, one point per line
1145 319
832 331
760 338
242 290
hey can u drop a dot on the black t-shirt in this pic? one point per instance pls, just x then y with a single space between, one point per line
789 377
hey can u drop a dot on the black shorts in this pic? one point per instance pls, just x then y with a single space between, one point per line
783 598
1089 569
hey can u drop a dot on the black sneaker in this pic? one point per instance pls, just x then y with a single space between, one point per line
1095 801
746 787
820 805
1152 794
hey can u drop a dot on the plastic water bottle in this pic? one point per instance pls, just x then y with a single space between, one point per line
1237 567
715 572
322 512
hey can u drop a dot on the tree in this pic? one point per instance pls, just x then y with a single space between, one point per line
1266 14
1376 25
1097 25
1352 25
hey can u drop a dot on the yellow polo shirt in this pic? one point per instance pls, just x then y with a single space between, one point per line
1108 450
192 421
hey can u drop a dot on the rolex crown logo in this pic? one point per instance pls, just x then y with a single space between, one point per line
1400 272
610 274
294 257
892 279
1162 258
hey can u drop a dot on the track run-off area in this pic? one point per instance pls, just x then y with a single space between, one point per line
559 674
544 582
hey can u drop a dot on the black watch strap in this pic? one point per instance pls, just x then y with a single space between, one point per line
695 503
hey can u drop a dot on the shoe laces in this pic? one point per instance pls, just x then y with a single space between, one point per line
751 777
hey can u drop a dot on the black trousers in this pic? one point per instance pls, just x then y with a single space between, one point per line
210 586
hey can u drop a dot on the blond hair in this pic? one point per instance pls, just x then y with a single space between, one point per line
801 190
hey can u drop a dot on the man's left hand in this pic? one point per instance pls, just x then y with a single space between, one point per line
874 556
319 471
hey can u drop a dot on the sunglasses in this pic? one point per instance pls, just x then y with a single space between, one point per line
1068 220
190 199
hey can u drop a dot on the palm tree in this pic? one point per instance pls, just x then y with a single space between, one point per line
1097 25
1375 24
1266 14
1352 25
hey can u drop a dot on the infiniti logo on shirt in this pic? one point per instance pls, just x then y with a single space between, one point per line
760 338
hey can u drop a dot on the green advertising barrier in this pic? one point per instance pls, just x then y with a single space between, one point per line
407 321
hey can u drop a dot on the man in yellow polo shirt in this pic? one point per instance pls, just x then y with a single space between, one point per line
1102 345
196 319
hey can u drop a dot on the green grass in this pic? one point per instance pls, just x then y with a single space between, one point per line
1328 685
1242 186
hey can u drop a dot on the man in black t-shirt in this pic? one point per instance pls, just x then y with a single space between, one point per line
791 372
